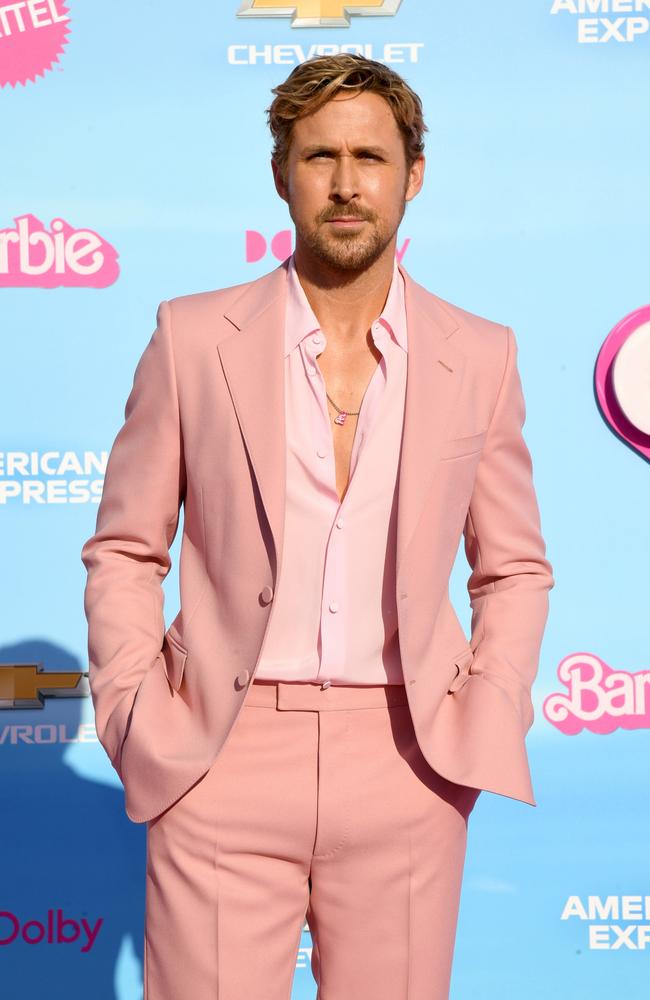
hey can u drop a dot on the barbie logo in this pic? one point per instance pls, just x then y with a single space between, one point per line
599 699
32 36
31 256
623 380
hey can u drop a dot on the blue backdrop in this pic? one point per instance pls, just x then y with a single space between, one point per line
137 159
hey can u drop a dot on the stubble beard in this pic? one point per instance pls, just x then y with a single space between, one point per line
346 251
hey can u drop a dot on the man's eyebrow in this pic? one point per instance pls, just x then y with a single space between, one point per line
322 147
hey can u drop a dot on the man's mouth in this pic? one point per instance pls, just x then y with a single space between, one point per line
345 222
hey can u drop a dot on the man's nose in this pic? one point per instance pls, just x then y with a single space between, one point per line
345 178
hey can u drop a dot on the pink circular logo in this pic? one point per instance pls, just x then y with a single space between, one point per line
623 379
32 37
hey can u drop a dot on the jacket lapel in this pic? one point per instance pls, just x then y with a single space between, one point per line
434 373
253 364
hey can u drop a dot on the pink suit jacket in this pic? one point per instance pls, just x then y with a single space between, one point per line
204 430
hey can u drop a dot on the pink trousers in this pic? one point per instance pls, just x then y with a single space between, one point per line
319 807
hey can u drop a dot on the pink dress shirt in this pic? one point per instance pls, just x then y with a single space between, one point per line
334 615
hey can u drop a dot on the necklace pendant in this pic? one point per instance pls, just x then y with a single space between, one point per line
340 418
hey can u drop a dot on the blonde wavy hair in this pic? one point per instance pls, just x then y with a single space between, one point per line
315 82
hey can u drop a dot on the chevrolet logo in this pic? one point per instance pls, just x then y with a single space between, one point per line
317 13
24 685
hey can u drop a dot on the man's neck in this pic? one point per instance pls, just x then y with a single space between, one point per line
346 306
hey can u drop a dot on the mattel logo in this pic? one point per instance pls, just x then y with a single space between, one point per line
281 246
33 34
56 929
30 256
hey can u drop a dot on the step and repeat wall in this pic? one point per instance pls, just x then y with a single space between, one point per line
136 167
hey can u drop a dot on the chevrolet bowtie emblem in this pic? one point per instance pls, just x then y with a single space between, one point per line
25 685
317 13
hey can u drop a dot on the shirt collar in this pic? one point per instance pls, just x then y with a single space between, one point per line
302 319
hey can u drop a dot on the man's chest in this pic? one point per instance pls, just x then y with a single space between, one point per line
346 376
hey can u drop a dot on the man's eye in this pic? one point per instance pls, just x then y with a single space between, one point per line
324 152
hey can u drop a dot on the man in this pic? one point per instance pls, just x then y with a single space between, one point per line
309 736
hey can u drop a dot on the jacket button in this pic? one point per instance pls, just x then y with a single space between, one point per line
242 678
267 594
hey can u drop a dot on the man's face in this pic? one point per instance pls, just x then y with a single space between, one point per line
347 161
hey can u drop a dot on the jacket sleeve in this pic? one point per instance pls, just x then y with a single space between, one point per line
510 575
127 558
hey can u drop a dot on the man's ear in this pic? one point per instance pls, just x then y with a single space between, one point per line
415 178
280 185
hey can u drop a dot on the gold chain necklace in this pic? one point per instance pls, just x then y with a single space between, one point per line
342 414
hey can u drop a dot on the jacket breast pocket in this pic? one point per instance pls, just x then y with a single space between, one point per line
457 447
174 657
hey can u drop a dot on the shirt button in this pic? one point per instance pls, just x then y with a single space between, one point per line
312 371
334 606
316 340
326 684
321 453
339 523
